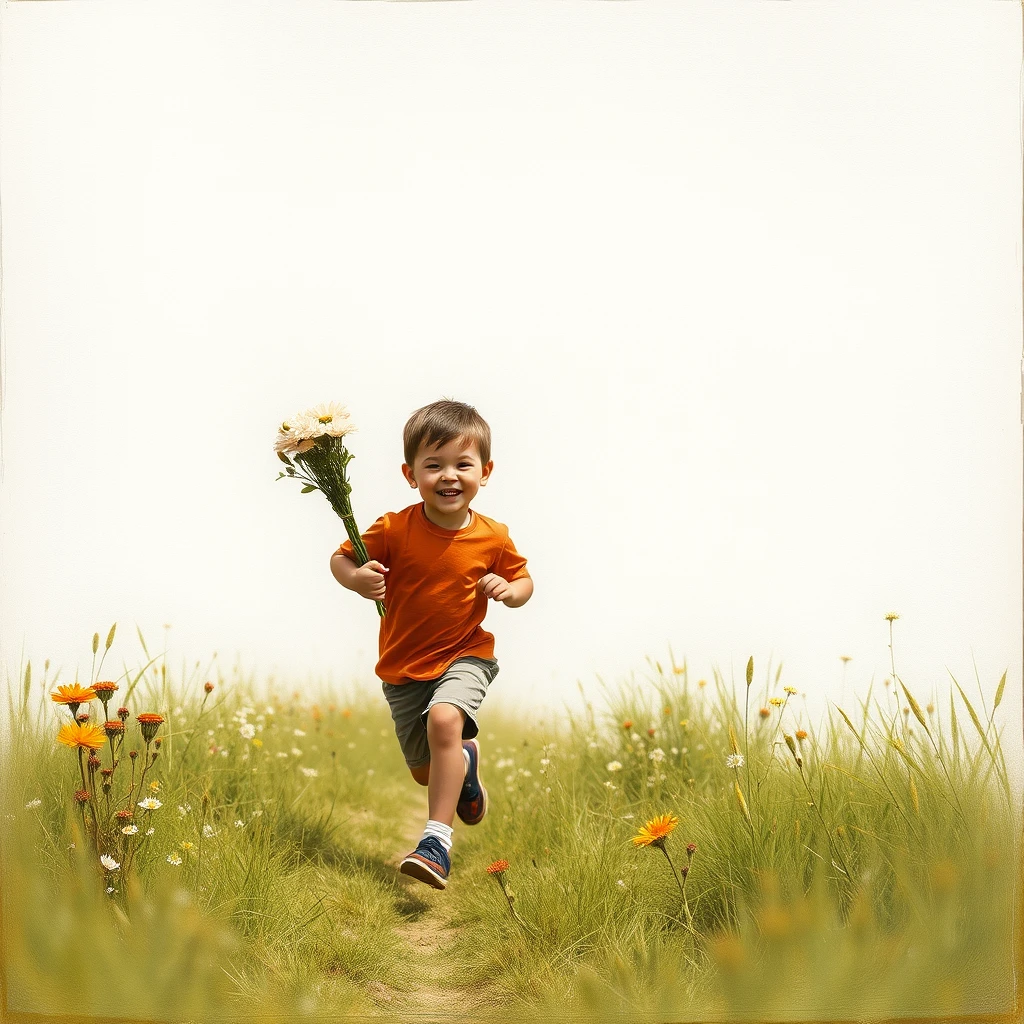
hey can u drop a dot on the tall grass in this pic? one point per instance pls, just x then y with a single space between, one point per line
864 867
264 888
876 877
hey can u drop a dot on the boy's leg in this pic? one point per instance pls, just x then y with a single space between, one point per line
447 768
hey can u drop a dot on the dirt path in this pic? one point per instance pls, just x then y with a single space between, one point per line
433 973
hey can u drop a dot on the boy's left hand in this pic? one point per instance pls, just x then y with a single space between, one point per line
494 587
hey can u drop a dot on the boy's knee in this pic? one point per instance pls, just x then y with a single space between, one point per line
444 721
421 773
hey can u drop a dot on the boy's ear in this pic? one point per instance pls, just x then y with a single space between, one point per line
486 472
408 474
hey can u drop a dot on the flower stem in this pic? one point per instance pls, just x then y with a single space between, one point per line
682 885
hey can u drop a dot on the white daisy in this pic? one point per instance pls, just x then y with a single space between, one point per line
108 862
130 830
150 803
734 761
329 418
614 766
174 858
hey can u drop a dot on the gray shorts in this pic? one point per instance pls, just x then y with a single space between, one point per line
463 684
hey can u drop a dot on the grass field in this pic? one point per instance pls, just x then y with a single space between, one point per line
867 868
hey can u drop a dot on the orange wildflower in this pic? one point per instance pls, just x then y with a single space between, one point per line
628 723
91 737
149 722
656 830
73 695
497 867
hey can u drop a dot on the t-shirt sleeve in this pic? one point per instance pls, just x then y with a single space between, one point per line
376 541
510 565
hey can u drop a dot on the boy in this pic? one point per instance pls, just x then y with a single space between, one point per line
435 565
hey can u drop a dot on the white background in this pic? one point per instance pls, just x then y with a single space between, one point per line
737 287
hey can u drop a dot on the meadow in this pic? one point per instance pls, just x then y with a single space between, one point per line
188 846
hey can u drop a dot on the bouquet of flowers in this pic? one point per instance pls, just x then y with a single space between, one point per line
312 447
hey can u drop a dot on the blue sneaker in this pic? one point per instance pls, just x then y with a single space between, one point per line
472 805
429 863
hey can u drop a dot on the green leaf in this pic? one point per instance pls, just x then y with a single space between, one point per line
954 729
142 671
999 691
110 637
307 489
750 670
142 640
284 458
290 471
846 719
28 684
974 717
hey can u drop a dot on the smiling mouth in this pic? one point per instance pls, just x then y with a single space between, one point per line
449 494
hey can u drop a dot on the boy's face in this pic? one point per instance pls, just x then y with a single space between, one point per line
448 479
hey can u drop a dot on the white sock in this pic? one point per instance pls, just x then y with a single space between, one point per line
465 754
441 832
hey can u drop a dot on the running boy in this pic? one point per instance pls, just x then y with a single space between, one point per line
434 565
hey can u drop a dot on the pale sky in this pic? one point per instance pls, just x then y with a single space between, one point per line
737 287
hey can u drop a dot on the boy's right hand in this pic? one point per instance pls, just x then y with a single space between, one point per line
368 581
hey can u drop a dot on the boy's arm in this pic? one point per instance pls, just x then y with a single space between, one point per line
366 580
343 569
522 591
514 594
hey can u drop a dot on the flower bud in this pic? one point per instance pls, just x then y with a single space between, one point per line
123 714
208 687
133 754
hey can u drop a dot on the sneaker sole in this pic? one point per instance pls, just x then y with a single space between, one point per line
480 782
418 868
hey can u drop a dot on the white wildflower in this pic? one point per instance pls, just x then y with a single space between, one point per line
296 752
130 830
301 732
239 823
614 766
174 858
734 761
310 773
150 803
247 731
209 831
33 803
657 755
108 862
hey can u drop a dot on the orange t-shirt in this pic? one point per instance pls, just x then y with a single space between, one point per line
434 608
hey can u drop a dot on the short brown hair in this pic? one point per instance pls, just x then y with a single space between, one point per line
443 421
